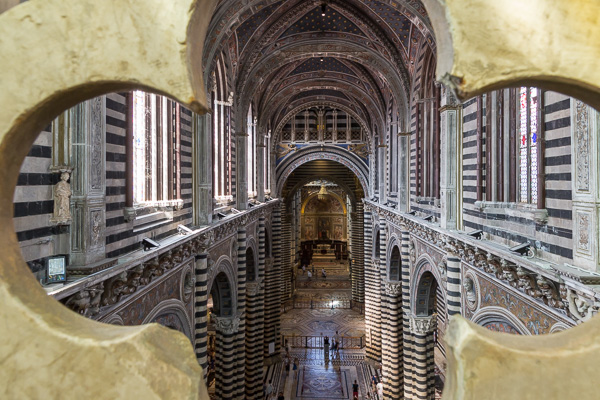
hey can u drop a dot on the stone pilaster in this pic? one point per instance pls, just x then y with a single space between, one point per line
241 172
227 385
391 340
286 251
240 337
450 169
203 168
372 306
453 284
358 254
422 379
273 289
200 310
407 347
255 323
88 183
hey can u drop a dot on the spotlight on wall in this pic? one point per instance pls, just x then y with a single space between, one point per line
478 234
149 244
221 215
323 9
184 230
522 249
428 218
412 213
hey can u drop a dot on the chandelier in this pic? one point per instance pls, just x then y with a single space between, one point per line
322 193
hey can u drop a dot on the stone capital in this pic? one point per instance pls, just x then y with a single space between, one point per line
226 325
422 325
393 288
253 288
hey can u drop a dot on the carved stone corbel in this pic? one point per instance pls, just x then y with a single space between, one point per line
114 289
134 277
509 273
87 301
527 283
151 269
550 292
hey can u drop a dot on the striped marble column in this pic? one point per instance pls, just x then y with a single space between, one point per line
372 305
382 271
391 340
273 288
423 382
240 337
453 285
407 336
200 310
286 251
255 323
226 359
358 254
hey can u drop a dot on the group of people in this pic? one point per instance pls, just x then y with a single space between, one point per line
335 347
310 273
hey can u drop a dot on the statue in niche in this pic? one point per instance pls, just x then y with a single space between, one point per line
470 291
62 194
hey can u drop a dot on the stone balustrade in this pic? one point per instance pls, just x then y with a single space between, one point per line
95 295
565 289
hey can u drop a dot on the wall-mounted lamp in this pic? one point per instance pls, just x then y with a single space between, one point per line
221 215
323 9
478 234
183 230
522 249
412 213
149 244
428 218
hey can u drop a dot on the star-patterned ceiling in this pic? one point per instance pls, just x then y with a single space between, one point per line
399 23
328 64
313 21
247 29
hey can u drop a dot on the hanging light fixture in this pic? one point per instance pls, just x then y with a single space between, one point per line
322 193
323 9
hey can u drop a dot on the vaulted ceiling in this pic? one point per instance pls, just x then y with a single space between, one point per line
360 54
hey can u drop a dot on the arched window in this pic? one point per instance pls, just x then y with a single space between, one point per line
395 264
221 126
251 153
529 137
155 157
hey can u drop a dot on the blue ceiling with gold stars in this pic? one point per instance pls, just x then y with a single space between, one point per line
313 21
394 18
328 64
246 30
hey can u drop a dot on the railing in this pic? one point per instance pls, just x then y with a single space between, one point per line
317 342
321 304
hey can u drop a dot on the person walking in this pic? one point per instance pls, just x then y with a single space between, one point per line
355 390
269 390
309 275
326 346
295 367
380 390
287 367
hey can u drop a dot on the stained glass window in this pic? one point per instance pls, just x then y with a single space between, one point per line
528 144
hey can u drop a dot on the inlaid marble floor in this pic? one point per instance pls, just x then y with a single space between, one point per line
321 376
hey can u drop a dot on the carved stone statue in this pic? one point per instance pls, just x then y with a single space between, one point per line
470 291
62 193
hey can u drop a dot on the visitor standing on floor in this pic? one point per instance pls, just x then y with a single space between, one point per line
355 390
303 269
326 346
309 275
287 367
269 390
280 396
323 273
380 390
